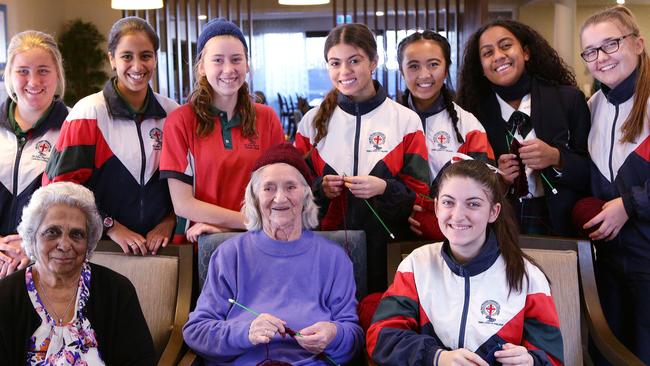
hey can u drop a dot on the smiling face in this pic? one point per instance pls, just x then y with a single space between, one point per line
134 61
611 69
34 79
464 210
424 70
61 241
350 71
503 58
281 198
225 66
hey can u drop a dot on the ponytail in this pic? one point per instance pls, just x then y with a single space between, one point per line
449 106
633 126
325 111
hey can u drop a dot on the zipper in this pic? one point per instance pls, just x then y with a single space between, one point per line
463 320
19 152
143 164
356 140
21 142
611 148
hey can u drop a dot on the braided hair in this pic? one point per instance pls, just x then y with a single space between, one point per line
446 93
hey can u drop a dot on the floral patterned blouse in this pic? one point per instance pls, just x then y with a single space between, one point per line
73 343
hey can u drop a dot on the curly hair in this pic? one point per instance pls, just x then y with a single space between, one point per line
544 63
447 94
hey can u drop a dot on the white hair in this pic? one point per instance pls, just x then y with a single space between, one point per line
251 207
59 193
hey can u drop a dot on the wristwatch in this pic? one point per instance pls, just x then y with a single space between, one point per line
108 223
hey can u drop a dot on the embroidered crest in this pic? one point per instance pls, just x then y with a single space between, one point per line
42 152
252 144
377 141
442 140
156 136
490 309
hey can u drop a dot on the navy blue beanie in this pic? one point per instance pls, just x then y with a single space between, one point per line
219 27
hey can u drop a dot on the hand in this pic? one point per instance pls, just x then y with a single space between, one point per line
415 224
611 219
514 355
315 338
192 234
460 357
12 254
537 154
160 234
509 166
365 186
264 327
128 240
332 186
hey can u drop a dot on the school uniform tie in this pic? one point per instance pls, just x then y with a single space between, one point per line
519 122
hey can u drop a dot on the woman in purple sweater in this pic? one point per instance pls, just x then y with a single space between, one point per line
296 279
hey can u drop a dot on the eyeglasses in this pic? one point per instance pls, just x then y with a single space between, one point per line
609 47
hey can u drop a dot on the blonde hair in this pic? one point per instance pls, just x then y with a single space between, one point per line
633 126
25 41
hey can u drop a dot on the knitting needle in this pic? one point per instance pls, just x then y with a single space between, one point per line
540 173
232 301
377 216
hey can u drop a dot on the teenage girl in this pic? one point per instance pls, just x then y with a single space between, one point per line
473 299
424 60
211 143
367 151
536 119
111 142
619 143
30 122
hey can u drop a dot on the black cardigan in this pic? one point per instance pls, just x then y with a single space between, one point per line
113 310
561 118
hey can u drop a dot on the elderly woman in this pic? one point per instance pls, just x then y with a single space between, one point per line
295 278
63 309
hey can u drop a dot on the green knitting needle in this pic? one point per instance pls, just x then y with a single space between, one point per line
377 216
232 301
540 173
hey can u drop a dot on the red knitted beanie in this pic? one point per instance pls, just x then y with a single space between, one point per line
288 154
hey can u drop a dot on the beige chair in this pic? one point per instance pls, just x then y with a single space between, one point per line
164 285
568 264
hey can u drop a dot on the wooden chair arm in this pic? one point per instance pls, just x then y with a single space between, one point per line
189 359
608 345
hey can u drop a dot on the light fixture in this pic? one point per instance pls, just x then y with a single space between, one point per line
379 13
620 2
203 17
303 2
136 4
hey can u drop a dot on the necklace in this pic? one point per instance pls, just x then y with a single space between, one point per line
59 317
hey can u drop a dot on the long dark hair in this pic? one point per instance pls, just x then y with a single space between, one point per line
544 63
356 35
505 226
633 126
447 95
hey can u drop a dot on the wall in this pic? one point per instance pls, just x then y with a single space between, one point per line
540 15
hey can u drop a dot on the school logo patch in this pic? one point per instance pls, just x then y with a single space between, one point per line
441 140
377 141
490 309
252 144
42 152
156 135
